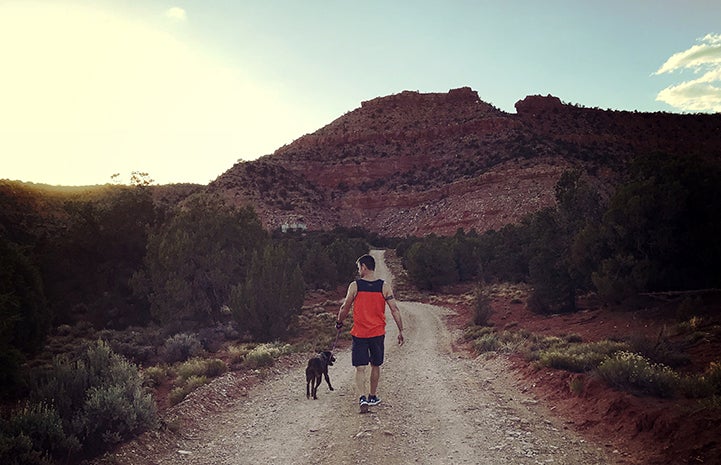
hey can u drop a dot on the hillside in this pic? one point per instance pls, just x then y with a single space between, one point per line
414 163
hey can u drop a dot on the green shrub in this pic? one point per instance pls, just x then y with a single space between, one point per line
201 367
237 353
26 316
192 367
154 376
315 329
485 339
181 347
475 332
194 257
487 343
99 397
257 359
575 362
541 343
134 352
271 296
112 414
659 350
552 341
431 263
713 376
264 355
707 384
579 358
576 385
10 361
695 387
136 344
513 341
711 403
633 372
573 338
215 367
19 450
178 393
35 433
482 309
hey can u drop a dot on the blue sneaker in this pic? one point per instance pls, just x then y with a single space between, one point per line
373 400
363 404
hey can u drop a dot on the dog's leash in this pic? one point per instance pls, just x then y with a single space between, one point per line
337 335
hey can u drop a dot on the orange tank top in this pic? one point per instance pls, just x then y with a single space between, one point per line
369 309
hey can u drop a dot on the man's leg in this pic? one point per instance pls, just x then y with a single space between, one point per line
376 349
360 380
360 383
375 376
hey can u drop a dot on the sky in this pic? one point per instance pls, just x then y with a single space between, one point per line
183 89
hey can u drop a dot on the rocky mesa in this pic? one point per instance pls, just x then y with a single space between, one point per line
416 163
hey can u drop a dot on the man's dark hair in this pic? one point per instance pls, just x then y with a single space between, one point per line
368 261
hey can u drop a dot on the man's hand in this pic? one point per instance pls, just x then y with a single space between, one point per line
400 338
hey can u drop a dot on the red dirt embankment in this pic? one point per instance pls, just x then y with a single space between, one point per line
653 430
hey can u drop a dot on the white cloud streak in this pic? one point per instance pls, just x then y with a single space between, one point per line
176 14
704 92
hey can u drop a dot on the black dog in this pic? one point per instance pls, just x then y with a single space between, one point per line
317 368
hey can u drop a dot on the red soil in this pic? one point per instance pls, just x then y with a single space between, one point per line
648 430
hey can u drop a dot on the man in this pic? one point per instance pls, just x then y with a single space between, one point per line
368 296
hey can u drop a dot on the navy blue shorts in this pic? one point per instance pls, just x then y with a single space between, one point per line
368 350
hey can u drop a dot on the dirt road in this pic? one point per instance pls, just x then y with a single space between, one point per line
438 407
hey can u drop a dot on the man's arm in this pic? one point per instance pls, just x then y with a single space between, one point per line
395 311
347 302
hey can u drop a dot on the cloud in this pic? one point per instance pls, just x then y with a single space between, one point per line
176 14
704 92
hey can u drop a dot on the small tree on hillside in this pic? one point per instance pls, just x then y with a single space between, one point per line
431 263
555 271
270 296
24 314
195 258
553 288
344 253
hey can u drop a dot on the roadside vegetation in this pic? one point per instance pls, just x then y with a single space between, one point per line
644 366
655 236
109 296
618 363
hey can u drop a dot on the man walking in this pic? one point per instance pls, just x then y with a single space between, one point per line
368 296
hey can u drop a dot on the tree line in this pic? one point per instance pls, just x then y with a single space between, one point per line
657 232
114 257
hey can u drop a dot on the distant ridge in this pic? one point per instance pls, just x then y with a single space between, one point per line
417 163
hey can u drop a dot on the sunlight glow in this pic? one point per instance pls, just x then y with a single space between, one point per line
86 94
